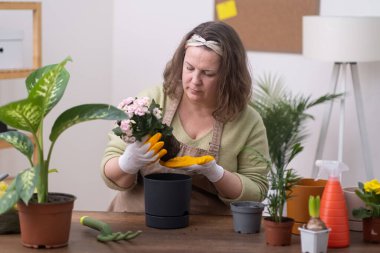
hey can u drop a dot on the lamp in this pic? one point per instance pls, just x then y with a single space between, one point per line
344 41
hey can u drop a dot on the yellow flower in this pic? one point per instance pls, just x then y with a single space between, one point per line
372 186
3 188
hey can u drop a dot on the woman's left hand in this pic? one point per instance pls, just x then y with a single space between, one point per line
204 165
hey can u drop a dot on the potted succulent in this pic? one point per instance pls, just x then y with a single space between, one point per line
29 189
369 192
315 234
284 116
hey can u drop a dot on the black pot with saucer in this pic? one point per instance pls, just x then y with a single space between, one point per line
167 200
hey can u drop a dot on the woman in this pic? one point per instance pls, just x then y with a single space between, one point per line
205 96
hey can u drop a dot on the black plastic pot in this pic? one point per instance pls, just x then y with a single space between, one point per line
3 127
167 200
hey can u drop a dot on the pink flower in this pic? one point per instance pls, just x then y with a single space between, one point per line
144 118
157 113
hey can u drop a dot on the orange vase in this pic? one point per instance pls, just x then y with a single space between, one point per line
333 212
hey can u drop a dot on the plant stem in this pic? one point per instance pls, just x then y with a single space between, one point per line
42 187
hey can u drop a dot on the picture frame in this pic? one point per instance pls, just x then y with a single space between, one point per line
35 7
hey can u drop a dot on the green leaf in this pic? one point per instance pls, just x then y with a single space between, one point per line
9 198
26 183
83 113
361 213
19 141
24 114
49 83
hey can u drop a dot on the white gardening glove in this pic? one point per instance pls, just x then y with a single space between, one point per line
141 153
205 165
211 170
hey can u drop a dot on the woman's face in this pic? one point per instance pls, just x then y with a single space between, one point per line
200 74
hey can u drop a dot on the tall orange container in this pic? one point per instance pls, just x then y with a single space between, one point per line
333 210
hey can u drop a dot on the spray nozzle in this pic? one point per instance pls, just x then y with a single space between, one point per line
333 168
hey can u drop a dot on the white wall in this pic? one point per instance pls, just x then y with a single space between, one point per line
120 47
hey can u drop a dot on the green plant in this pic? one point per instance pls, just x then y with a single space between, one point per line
45 87
284 117
369 192
315 223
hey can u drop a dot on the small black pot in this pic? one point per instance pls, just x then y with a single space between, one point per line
167 200
3 127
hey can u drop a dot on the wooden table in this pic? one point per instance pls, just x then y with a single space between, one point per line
204 234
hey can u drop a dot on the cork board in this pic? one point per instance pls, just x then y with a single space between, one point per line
271 25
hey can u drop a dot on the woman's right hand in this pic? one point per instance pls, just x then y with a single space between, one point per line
141 153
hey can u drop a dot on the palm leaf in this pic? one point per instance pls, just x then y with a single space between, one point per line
83 113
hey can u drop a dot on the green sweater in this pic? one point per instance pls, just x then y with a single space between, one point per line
240 137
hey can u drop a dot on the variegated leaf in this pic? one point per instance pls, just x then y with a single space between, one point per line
9 198
26 183
19 141
83 113
24 114
49 83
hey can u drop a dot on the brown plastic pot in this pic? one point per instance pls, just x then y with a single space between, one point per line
371 230
297 206
46 225
278 233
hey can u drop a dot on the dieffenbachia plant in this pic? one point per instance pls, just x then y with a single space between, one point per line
45 87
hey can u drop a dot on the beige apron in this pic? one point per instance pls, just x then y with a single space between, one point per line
204 197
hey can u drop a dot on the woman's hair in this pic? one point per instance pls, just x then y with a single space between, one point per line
234 82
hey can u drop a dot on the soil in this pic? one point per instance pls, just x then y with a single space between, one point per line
172 146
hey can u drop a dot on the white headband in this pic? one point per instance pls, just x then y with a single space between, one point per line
196 41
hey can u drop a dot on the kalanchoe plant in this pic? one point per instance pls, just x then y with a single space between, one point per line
45 87
369 192
144 117
315 223
284 117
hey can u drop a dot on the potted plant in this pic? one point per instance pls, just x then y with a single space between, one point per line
45 87
369 192
315 234
284 117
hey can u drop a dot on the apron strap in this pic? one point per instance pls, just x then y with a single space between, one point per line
216 140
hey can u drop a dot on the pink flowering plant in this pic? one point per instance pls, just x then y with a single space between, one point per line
144 117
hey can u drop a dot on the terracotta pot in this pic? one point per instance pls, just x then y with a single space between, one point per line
278 234
46 225
371 230
353 202
297 206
